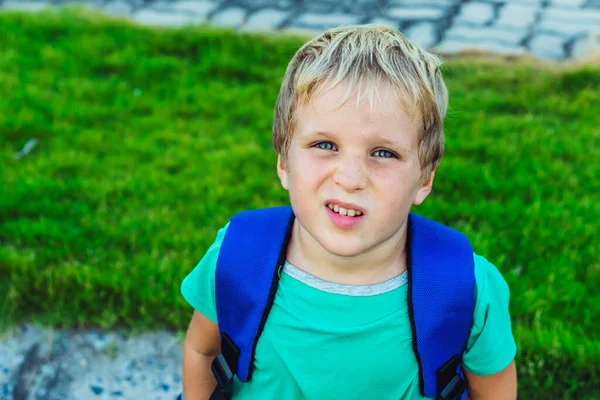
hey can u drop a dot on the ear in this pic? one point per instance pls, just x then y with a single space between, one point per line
425 189
282 172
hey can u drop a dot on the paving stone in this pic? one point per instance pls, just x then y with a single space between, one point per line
457 46
160 5
118 8
527 2
200 8
265 20
322 8
515 15
567 29
257 4
509 37
567 3
547 47
425 34
25 6
232 17
412 13
384 21
328 21
422 3
156 18
572 15
475 13
585 47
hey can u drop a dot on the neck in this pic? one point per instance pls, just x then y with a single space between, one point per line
378 264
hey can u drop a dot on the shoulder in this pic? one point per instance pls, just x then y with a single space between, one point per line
491 345
488 279
198 287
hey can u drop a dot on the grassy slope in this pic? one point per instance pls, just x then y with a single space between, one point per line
150 139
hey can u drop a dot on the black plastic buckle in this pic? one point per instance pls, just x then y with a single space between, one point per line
454 390
224 367
221 371
451 384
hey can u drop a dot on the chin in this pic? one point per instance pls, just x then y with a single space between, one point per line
344 248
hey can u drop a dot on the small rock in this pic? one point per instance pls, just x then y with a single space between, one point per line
97 389
31 143
46 369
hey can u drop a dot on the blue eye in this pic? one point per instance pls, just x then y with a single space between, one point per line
325 146
384 154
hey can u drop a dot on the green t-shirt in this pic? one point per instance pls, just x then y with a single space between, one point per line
331 341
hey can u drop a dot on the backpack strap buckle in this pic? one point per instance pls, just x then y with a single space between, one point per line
224 367
221 371
451 384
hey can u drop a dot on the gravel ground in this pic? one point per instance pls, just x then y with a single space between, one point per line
37 363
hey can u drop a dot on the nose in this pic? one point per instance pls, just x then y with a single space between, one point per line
351 175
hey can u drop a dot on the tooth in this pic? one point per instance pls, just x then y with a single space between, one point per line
336 208
351 213
330 206
343 211
358 213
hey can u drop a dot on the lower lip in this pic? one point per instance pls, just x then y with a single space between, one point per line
343 221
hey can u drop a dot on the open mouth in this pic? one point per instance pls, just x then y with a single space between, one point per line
349 212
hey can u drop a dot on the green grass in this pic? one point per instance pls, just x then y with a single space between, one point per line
150 139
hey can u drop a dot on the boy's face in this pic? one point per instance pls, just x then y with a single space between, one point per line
359 158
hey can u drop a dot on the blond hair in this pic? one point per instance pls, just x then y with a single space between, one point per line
363 56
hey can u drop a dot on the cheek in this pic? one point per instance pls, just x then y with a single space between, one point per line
393 187
307 172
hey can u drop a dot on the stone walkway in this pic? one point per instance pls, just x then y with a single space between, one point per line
547 29
41 364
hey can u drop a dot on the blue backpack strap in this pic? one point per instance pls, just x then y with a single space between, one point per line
441 301
246 281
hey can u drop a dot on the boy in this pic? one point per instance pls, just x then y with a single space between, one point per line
358 130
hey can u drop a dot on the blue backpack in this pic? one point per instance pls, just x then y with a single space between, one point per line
441 296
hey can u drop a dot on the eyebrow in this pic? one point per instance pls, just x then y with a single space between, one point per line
322 133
